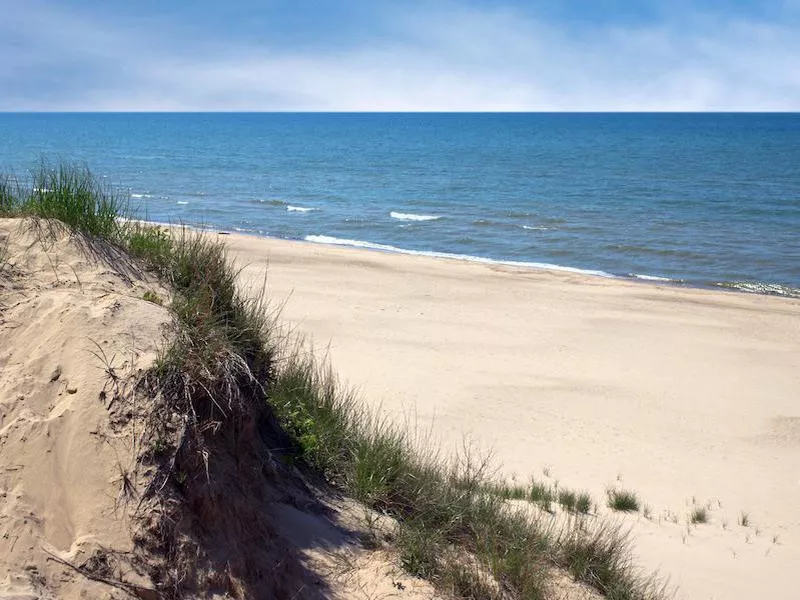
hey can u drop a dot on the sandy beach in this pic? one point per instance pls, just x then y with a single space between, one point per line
686 396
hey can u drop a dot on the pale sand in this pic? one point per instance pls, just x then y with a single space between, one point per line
678 394
63 449
66 438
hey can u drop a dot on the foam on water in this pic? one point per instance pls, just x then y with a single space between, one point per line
650 277
333 241
756 287
412 217
300 209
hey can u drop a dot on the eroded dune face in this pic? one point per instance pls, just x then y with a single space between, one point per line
73 328
79 323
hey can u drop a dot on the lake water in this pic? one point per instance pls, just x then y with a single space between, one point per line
698 199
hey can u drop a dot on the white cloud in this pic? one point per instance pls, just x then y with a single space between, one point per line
445 60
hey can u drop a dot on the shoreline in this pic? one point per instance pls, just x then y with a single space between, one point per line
775 290
749 288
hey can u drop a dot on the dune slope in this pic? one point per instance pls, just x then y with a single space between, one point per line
79 518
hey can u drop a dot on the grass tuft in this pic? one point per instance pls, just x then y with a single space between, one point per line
9 196
699 515
583 505
623 500
568 500
542 494
151 296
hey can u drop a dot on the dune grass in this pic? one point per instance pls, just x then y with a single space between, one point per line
446 507
455 526
699 515
8 195
70 194
623 500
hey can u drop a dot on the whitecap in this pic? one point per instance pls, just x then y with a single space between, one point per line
757 287
301 209
650 277
413 217
141 195
181 202
535 227
334 241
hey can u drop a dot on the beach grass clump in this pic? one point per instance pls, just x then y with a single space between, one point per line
508 491
221 348
542 494
568 499
623 500
699 515
9 196
151 296
575 502
70 195
150 244
583 503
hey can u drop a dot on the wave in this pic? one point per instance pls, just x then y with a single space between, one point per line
333 241
182 202
535 227
756 287
413 217
272 202
301 209
140 195
653 278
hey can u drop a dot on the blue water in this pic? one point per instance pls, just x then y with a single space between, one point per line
702 199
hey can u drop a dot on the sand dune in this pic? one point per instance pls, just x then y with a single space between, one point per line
70 440
688 397
64 319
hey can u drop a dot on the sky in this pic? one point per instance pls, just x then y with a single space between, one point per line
409 55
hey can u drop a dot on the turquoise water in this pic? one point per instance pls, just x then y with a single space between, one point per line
702 199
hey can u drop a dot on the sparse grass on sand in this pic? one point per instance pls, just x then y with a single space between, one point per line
699 515
455 526
623 500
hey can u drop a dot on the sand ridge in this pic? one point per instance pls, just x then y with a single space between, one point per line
75 332
65 319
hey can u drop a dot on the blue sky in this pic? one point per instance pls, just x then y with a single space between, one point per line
407 55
